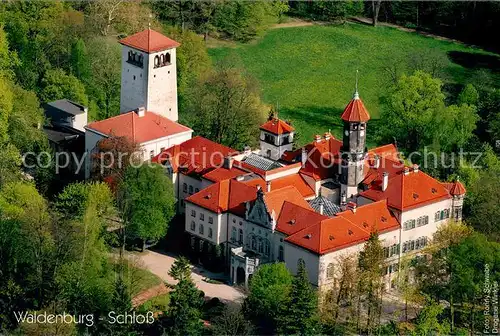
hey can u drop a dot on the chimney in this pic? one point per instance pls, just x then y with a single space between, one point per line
303 157
415 168
268 186
343 199
327 136
317 138
385 181
376 161
228 162
351 205
406 170
141 111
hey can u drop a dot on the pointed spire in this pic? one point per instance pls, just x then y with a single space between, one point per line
356 94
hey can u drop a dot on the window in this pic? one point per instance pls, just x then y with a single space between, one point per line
167 58
157 61
254 243
162 60
196 190
330 271
210 220
233 234
281 253
423 220
201 229
202 216
193 226
409 224
184 187
267 247
437 216
193 213
261 246
152 154
240 238
210 232
191 190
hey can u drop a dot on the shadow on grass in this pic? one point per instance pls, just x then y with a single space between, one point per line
475 60
317 117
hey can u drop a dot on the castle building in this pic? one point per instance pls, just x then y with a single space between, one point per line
148 100
317 204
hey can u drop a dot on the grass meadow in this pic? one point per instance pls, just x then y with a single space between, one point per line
310 71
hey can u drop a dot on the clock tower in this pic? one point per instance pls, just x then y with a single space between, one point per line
353 151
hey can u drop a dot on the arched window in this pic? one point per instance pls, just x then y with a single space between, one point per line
193 226
157 61
201 229
141 59
254 243
261 246
162 60
167 58
281 253
240 238
330 271
130 55
267 247
190 189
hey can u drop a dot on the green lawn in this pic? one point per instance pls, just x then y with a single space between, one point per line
311 70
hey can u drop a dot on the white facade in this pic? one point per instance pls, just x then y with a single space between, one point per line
146 84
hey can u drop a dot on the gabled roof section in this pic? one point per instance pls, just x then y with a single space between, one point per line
294 180
149 127
277 126
294 218
222 173
406 191
322 155
355 111
348 228
275 199
196 155
224 196
149 41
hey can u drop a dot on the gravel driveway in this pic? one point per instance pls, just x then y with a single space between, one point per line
160 263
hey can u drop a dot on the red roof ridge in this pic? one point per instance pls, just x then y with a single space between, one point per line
355 111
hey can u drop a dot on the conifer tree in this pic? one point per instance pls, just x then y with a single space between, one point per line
184 312
299 315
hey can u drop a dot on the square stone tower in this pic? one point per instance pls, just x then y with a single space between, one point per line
149 74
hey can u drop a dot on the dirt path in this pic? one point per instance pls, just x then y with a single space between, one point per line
148 294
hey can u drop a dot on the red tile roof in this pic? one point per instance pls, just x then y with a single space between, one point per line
294 218
291 180
455 188
355 111
346 229
149 127
275 198
149 41
277 126
322 156
196 155
221 174
405 192
224 196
